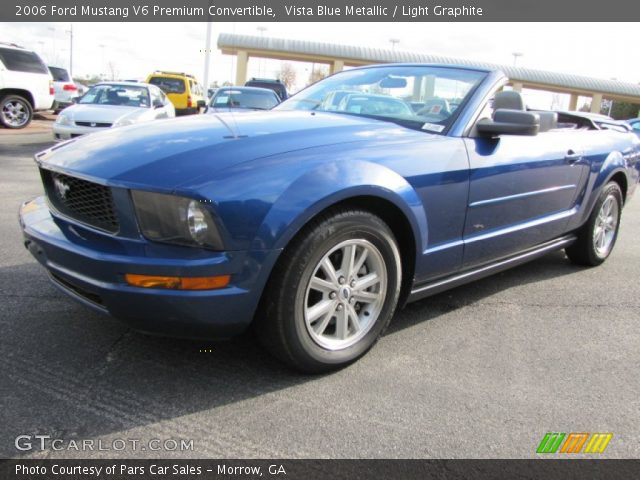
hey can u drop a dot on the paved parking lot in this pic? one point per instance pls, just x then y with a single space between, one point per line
481 371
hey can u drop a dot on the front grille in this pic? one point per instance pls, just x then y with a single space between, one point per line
92 297
81 200
93 124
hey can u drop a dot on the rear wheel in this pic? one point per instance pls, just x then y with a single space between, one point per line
598 236
333 292
15 111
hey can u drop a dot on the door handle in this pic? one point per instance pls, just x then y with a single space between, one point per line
572 157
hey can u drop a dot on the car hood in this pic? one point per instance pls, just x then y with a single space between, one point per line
164 155
102 113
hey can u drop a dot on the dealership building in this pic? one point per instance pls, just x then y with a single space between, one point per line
337 57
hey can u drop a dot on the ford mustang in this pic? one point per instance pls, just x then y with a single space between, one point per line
315 221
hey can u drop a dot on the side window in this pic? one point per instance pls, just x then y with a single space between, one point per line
164 98
636 126
486 112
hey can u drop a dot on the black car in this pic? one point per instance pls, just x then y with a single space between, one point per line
242 98
272 84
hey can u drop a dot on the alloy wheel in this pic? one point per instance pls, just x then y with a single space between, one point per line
345 294
605 226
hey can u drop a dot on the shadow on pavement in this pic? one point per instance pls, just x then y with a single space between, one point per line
61 359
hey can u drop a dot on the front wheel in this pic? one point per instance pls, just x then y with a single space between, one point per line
332 293
598 236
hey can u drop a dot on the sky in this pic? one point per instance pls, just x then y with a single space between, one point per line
133 50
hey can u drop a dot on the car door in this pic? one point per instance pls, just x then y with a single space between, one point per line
522 191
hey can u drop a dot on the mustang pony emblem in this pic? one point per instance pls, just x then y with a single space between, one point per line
62 189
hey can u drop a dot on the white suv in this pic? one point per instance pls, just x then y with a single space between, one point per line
26 85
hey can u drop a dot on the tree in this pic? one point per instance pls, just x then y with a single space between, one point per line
623 110
317 74
287 75
113 72
88 79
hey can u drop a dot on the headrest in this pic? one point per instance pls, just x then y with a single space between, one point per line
509 100
548 121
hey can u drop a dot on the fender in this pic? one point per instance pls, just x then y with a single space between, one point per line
333 182
613 164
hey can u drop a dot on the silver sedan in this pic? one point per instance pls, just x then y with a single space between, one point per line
112 104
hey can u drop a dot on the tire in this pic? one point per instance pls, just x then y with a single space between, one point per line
15 111
598 236
316 324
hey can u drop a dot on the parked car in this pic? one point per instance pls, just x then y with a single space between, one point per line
635 125
272 84
65 89
112 104
184 91
314 226
374 104
228 99
26 85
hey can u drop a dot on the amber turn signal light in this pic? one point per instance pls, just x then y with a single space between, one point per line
177 283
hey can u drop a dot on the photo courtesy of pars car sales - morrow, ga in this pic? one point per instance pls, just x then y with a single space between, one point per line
373 239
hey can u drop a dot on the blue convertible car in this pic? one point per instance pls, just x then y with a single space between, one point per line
313 222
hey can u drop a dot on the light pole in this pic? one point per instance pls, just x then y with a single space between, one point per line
70 32
207 54
102 45
516 55
394 42
53 38
261 29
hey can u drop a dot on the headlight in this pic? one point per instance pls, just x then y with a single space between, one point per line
178 220
123 123
63 120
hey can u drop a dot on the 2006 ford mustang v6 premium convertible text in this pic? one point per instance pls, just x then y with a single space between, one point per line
314 221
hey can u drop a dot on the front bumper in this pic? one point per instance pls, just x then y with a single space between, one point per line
187 111
90 267
66 132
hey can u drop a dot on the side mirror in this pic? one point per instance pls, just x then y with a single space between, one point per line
158 105
510 122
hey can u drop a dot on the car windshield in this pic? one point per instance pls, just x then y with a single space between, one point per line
419 97
240 98
121 95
